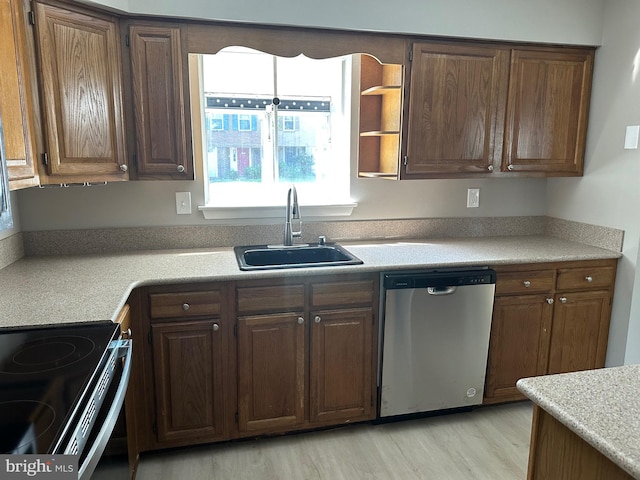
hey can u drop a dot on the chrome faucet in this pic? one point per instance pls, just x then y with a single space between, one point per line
292 213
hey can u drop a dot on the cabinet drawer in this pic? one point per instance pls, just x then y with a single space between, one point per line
275 298
342 293
586 278
525 282
185 304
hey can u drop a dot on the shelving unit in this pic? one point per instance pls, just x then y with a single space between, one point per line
380 118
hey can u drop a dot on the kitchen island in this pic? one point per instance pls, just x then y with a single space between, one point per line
586 425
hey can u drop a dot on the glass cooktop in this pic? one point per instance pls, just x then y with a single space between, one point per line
44 374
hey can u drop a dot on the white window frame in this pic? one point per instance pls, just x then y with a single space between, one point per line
272 206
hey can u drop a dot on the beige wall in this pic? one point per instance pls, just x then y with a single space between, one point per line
609 192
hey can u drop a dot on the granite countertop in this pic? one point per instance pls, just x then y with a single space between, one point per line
63 289
601 406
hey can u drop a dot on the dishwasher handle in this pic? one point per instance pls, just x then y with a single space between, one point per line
450 290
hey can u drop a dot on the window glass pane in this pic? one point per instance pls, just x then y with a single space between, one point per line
272 121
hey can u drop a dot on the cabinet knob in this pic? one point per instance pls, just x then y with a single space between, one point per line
185 306
490 168
510 168
180 168
526 283
550 301
589 278
563 299
123 168
216 327
300 320
317 319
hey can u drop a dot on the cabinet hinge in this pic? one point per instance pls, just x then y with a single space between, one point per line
149 337
126 39
45 159
134 160
236 417
405 160
235 332
411 55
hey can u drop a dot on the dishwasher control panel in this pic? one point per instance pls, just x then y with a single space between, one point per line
430 278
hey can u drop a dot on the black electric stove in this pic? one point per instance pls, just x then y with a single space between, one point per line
45 376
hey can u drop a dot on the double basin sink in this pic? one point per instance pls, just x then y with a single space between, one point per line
267 257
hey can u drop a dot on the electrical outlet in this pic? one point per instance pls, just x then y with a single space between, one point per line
183 203
473 197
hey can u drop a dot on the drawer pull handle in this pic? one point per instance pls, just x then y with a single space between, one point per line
317 319
550 301
526 283
216 327
185 306
563 299
300 320
589 278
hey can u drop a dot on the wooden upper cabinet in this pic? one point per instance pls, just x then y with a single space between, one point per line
80 63
547 110
456 109
163 149
16 98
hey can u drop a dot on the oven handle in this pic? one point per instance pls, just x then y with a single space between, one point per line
95 452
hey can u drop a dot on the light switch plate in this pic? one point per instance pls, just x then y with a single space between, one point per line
631 137
183 203
473 197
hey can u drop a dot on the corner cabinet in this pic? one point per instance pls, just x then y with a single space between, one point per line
160 103
493 109
81 91
550 318
305 353
547 110
16 97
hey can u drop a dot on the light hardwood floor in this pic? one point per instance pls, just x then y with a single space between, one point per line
489 443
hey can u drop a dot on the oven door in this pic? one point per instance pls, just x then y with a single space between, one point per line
93 429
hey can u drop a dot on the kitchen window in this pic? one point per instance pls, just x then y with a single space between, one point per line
269 122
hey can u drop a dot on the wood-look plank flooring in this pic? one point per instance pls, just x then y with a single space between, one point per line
489 443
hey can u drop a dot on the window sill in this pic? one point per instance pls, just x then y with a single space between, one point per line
275 211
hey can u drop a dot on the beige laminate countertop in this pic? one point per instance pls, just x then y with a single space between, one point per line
64 289
601 406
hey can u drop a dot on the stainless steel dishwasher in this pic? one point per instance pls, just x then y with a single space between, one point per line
434 339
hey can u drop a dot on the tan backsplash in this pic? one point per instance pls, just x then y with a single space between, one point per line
65 242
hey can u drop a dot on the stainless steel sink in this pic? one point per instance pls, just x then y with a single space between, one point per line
265 257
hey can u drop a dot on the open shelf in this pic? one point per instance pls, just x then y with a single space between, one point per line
380 118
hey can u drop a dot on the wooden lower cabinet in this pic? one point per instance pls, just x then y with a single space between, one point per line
188 379
271 372
519 344
307 358
340 365
580 331
550 318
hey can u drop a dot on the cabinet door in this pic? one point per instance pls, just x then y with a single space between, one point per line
580 331
159 103
519 344
16 97
81 95
271 366
547 111
188 375
457 101
341 364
